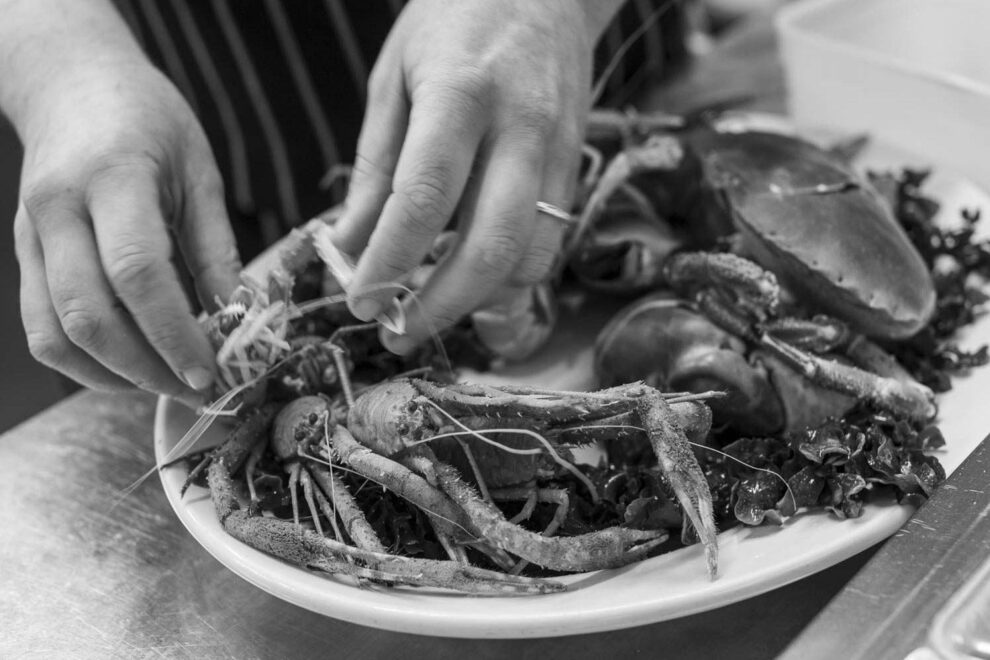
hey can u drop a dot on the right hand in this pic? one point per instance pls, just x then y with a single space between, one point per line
115 167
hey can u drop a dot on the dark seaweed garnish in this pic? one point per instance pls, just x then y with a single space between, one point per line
960 265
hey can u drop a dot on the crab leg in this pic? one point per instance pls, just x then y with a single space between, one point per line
821 334
908 398
866 354
757 289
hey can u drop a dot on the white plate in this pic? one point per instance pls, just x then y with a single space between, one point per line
752 560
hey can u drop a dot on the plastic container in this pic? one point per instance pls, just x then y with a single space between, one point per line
913 73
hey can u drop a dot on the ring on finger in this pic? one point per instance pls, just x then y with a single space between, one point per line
555 212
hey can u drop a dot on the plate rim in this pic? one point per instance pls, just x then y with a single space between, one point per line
401 610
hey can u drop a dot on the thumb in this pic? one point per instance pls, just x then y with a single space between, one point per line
207 241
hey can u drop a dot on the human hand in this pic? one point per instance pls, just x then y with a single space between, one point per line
114 163
473 104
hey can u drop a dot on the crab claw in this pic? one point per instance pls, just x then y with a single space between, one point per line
663 341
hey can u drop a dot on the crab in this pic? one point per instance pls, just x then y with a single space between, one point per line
816 266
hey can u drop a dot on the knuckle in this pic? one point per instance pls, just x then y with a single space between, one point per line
169 341
495 255
465 91
117 166
426 201
366 170
124 160
23 232
82 324
538 116
533 268
41 198
47 347
132 268
571 137
227 258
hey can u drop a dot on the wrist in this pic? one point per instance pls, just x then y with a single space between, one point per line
50 49
90 89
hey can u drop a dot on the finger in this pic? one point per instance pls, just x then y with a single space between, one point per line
86 312
444 133
206 239
559 182
494 241
45 337
134 248
379 143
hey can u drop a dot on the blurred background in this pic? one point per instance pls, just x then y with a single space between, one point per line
26 387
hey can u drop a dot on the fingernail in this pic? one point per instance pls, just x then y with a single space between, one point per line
367 309
399 344
197 378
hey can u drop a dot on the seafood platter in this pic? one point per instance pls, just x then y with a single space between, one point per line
760 353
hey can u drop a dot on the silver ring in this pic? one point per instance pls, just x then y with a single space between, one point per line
554 212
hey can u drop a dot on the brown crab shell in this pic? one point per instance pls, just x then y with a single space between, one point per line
829 236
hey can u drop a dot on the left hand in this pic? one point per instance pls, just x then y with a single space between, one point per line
478 105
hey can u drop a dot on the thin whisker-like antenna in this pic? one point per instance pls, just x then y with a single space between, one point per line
693 444
319 303
581 476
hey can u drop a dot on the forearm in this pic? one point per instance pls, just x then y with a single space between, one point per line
46 43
